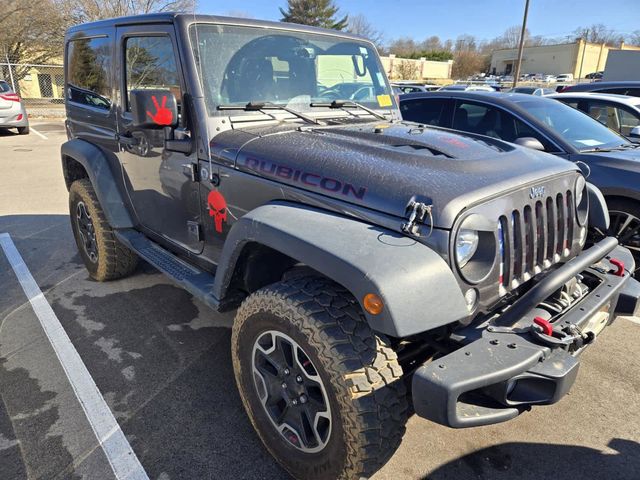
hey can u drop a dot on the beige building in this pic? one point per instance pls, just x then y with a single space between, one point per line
422 69
578 58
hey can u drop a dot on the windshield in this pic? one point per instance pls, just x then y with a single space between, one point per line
248 64
575 127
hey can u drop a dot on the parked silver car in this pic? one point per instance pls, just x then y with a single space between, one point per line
12 111
620 113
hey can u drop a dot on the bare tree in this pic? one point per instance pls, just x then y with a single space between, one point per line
407 70
599 33
89 10
431 44
31 32
467 63
466 43
403 47
359 25
634 38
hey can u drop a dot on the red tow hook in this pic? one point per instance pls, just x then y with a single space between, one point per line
619 265
547 328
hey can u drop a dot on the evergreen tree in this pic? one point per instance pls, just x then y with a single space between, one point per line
317 13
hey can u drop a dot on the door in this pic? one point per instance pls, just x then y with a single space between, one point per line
163 192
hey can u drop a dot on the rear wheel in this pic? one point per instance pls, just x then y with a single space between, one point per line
104 256
23 130
323 391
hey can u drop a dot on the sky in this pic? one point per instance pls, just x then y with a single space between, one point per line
485 19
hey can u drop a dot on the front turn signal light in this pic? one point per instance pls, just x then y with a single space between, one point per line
372 303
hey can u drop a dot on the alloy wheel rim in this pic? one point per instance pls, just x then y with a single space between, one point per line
626 228
87 231
291 391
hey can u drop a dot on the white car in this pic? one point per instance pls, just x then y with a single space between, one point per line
565 77
549 79
12 111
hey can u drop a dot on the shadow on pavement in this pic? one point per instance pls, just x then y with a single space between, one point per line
545 461
160 359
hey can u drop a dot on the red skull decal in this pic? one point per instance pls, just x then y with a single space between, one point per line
217 206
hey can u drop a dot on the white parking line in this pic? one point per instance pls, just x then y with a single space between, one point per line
632 319
31 129
121 457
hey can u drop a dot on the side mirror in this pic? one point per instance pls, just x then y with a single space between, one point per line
530 142
635 133
153 109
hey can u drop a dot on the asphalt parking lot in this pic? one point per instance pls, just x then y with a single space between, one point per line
160 360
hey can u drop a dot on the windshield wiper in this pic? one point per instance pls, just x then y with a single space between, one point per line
342 104
261 106
623 146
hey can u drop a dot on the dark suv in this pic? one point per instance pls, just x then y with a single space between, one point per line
367 257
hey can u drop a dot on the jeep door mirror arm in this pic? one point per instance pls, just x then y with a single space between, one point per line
181 145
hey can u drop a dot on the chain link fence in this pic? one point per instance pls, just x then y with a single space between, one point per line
41 87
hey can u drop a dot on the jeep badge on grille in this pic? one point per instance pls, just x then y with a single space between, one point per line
536 192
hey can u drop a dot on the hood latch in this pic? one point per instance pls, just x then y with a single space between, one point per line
417 212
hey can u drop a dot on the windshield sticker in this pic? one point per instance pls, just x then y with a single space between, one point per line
589 142
384 100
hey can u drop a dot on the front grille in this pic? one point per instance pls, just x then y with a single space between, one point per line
535 237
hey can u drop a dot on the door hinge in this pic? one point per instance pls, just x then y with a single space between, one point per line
195 231
191 171
417 212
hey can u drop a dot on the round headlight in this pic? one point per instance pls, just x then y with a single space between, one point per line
582 200
466 245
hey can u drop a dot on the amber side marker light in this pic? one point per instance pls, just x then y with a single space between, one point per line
373 304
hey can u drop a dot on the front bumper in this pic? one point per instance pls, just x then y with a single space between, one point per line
505 366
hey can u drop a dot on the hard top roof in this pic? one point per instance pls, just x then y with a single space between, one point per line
187 18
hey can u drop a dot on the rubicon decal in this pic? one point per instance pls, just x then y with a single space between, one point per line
217 206
310 179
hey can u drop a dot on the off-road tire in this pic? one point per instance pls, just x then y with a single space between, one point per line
23 130
359 369
114 260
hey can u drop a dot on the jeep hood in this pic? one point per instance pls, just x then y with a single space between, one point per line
383 165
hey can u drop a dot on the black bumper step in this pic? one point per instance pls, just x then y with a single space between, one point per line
197 282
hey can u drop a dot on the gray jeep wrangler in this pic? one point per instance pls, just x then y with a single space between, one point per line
379 268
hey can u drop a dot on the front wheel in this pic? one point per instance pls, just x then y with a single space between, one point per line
624 224
323 391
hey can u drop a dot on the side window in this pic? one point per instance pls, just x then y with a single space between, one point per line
634 92
424 111
88 68
521 129
571 103
617 91
151 63
628 121
482 119
605 113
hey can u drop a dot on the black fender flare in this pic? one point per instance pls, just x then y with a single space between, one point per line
419 290
96 165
